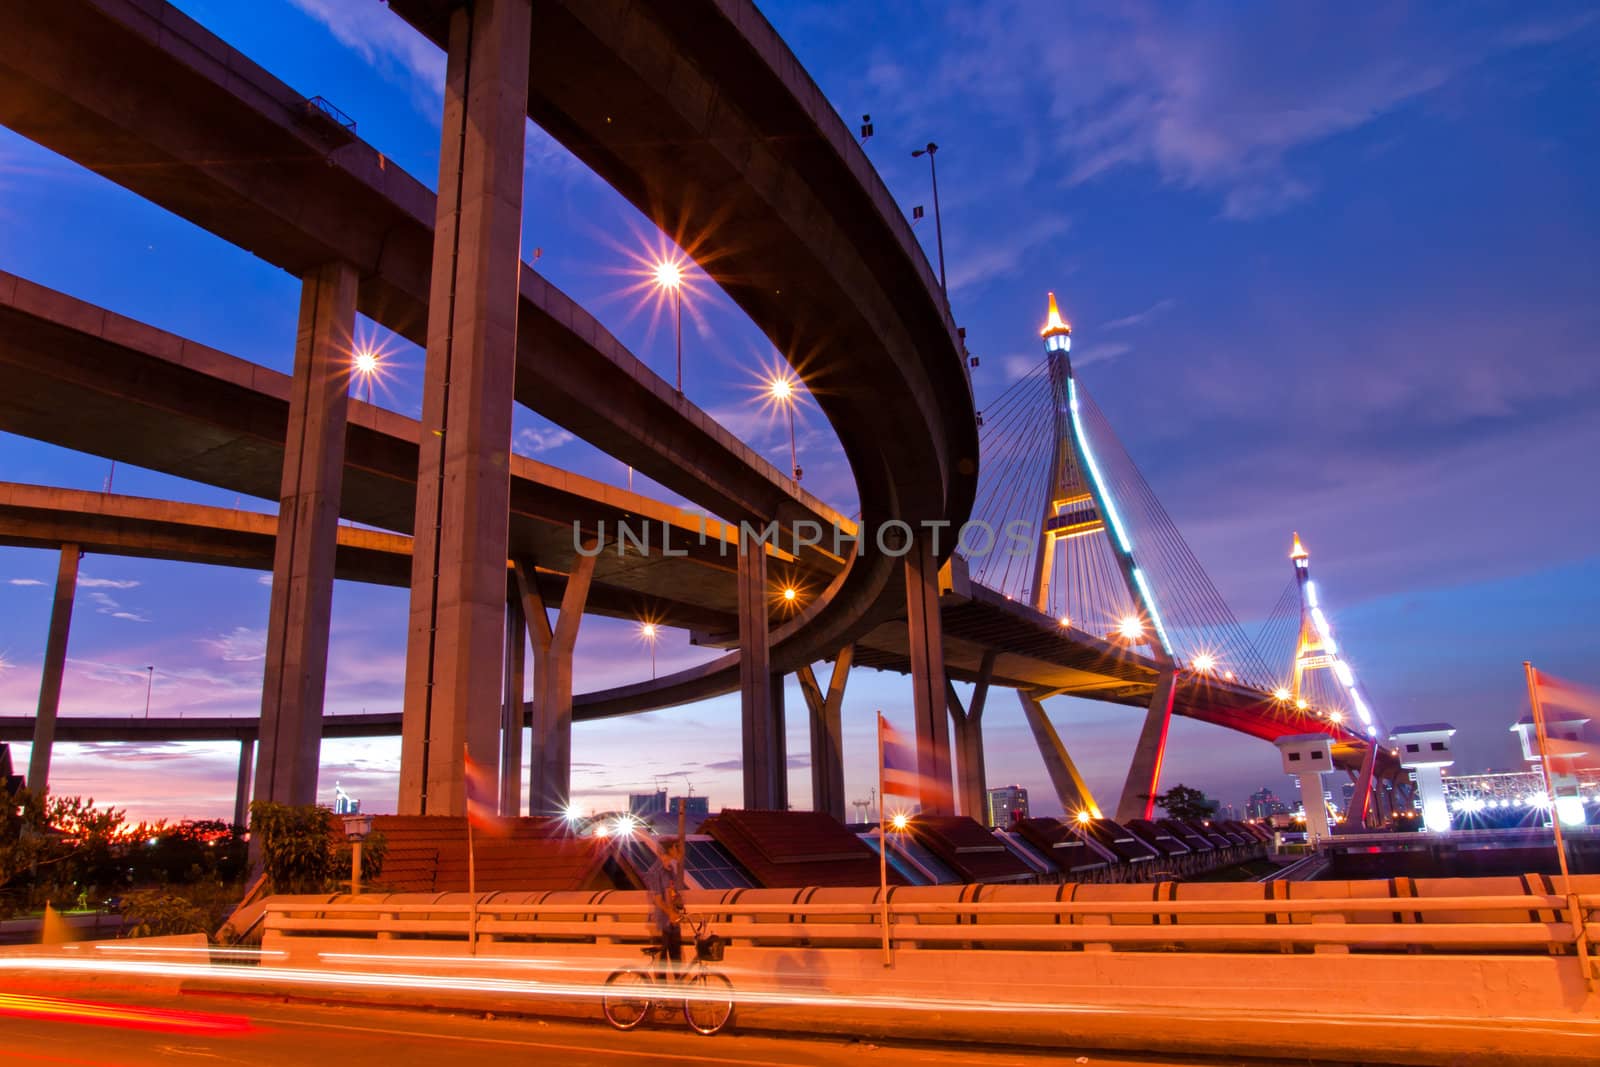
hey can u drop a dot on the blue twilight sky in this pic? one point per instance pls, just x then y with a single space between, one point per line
1331 268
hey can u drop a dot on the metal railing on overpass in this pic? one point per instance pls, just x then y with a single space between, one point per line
1519 915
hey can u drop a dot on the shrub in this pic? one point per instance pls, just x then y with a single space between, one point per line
153 913
296 845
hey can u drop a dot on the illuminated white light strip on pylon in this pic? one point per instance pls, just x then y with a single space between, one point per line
1111 514
1311 592
1325 630
1150 605
1094 469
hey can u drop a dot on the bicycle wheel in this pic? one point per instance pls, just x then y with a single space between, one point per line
707 1001
627 998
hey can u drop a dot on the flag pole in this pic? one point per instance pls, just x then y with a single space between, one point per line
883 854
472 864
1579 924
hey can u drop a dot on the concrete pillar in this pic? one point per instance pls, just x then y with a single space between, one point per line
55 665
926 639
827 732
456 637
1070 787
295 674
1144 773
972 783
512 701
761 721
550 761
1362 813
241 793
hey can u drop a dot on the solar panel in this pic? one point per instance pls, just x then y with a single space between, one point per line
712 868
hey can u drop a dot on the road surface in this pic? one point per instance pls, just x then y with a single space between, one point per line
121 1029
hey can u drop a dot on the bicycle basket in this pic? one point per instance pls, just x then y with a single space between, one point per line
710 948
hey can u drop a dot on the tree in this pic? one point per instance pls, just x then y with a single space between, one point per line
296 845
1183 802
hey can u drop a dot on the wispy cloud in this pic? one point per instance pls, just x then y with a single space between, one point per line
537 439
85 582
106 605
388 43
24 581
240 645
1160 307
1216 104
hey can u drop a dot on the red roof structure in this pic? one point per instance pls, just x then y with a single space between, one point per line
795 849
968 849
428 853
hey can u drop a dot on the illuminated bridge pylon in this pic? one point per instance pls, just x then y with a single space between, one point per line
1321 682
1084 541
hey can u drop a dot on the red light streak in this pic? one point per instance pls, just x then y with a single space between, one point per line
54 1009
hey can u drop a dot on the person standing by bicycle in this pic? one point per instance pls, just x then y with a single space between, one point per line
664 883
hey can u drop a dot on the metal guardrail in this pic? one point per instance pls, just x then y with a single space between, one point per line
1539 922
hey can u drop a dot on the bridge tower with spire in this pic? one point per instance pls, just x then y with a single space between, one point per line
1079 504
1315 651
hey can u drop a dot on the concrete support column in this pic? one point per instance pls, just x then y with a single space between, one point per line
295 675
550 761
927 676
1070 787
761 720
241 793
1361 811
512 701
55 665
827 732
455 636
972 783
1144 773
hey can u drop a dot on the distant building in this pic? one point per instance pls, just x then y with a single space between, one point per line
344 803
1007 805
645 805
1228 813
1264 804
694 807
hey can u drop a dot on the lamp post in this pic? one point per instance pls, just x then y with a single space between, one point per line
149 682
356 829
938 226
366 361
781 389
648 633
669 276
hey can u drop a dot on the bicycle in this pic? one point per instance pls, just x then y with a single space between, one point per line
707 995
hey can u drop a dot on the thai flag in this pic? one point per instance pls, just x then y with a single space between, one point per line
900 774
483 801
1563 702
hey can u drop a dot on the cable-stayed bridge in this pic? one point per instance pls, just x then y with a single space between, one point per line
1103 600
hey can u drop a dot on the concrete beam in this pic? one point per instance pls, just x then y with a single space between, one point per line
307 541
1143 783
1070 787
827 733
55 664
928 679
463 475
972 783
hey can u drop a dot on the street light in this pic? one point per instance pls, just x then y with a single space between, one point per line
648 634
938 227
356 829
669 277
150 681
367 363
781 390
